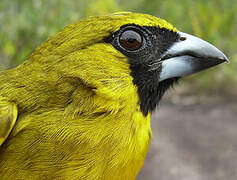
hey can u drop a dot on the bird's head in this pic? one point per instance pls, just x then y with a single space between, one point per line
124 55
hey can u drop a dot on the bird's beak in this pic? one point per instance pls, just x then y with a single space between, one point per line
189 55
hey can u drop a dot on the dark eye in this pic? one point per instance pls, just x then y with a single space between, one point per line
130 40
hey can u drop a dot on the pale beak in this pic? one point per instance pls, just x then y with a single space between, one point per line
189 55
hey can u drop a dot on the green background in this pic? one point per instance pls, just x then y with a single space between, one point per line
24 24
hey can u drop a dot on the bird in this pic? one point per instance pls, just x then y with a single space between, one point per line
79 107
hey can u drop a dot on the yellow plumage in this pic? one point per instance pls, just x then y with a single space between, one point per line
8 115
62 137
79 114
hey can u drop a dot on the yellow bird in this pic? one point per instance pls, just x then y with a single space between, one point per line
80 106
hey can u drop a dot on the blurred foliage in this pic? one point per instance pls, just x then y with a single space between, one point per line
27 23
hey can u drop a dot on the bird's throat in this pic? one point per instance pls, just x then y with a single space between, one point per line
150 90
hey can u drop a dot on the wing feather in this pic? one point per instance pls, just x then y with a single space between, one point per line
8 116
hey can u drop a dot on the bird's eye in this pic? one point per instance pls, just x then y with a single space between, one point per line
130 40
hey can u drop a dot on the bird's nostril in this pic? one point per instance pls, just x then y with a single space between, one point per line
182 38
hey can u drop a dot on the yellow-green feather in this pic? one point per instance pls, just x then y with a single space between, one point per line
8 116
79 113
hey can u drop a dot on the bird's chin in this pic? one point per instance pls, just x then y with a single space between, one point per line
168 83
